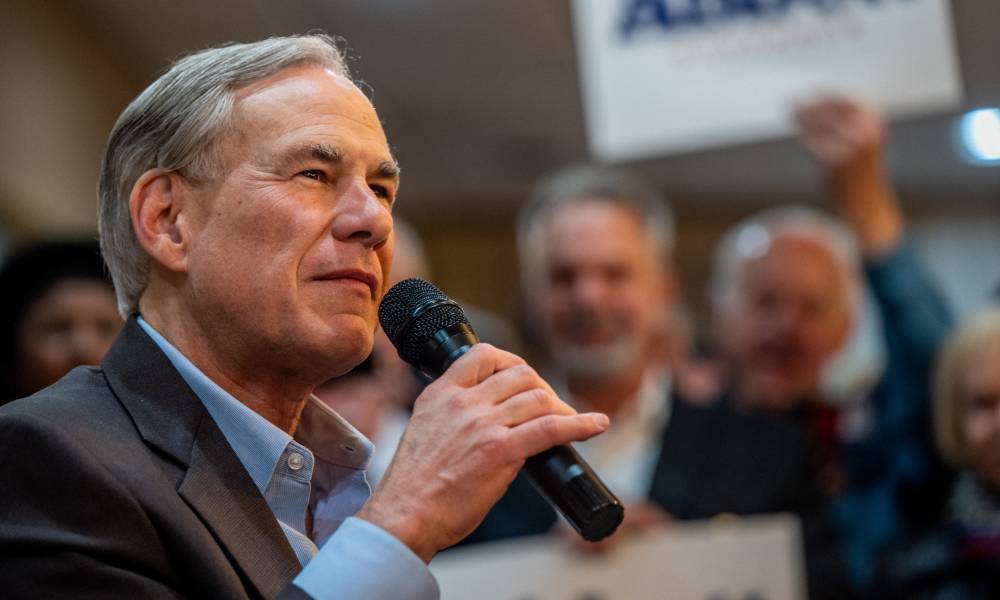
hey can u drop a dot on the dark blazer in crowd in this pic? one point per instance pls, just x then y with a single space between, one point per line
713 460
957 560
120 478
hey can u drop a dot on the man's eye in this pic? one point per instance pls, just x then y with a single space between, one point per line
314 174
380 192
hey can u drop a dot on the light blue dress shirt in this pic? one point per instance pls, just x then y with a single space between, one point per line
357 559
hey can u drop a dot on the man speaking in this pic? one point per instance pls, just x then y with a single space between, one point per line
245 216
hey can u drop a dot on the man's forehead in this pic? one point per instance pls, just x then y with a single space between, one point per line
305 90
801 249
599 214
793 262
304 79
303 102
595 224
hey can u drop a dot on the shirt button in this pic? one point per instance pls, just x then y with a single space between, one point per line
295 461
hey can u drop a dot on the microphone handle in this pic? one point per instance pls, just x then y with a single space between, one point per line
559 474
563 478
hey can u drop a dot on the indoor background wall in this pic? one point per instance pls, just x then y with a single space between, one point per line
59 96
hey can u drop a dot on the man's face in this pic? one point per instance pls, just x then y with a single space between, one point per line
793 313
602 294
292 244
980 412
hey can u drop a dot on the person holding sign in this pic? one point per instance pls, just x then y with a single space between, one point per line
788 293
595 247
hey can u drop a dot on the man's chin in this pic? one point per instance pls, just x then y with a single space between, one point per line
344 340
595 363
774 391
344 321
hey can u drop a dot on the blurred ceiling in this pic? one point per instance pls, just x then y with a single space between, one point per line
480 98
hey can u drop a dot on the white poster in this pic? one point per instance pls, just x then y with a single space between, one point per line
670 76
757 558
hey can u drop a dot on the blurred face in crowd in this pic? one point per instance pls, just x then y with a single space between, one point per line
981 415
792 313
296 235
602 292
71 323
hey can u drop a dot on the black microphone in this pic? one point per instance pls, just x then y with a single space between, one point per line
430 331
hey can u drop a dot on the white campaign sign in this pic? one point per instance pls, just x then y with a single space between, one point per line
755 558
668 76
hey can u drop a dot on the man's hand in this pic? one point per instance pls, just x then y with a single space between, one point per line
841 133
848 139
470 433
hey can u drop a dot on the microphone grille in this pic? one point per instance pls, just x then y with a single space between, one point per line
397 310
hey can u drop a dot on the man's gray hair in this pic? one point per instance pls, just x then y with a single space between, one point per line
587 183
175 124
752 237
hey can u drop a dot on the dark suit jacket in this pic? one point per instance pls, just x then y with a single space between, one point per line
116 483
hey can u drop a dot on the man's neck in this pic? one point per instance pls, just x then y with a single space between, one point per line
608 395
276 395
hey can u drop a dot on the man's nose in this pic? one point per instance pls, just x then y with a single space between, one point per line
783 318
589 291
362 216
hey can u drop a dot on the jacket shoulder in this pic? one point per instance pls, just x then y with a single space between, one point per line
81 398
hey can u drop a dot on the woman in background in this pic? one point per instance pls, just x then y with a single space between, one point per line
961 557
59 311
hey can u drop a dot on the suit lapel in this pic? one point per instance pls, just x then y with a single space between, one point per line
171 418
660 488
240 518
681 473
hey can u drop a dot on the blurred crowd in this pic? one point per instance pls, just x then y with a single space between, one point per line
832 383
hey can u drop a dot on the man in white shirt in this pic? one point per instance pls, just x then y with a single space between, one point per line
595 246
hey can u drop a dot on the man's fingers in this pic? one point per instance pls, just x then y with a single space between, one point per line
545 432
509 382
844 118
531 404
833 138
481 361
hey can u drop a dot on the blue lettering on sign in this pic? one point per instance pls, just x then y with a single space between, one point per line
669 15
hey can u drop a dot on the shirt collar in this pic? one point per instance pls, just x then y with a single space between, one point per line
332 438
257 442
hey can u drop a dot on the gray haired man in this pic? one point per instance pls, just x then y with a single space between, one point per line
245 215
595 245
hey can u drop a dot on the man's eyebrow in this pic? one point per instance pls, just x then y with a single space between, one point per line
388 169
326 153
306 152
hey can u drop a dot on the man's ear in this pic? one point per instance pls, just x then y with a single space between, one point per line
156 205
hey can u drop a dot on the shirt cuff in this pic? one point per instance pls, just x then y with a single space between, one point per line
361 560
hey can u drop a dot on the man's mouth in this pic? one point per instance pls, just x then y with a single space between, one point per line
370 280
